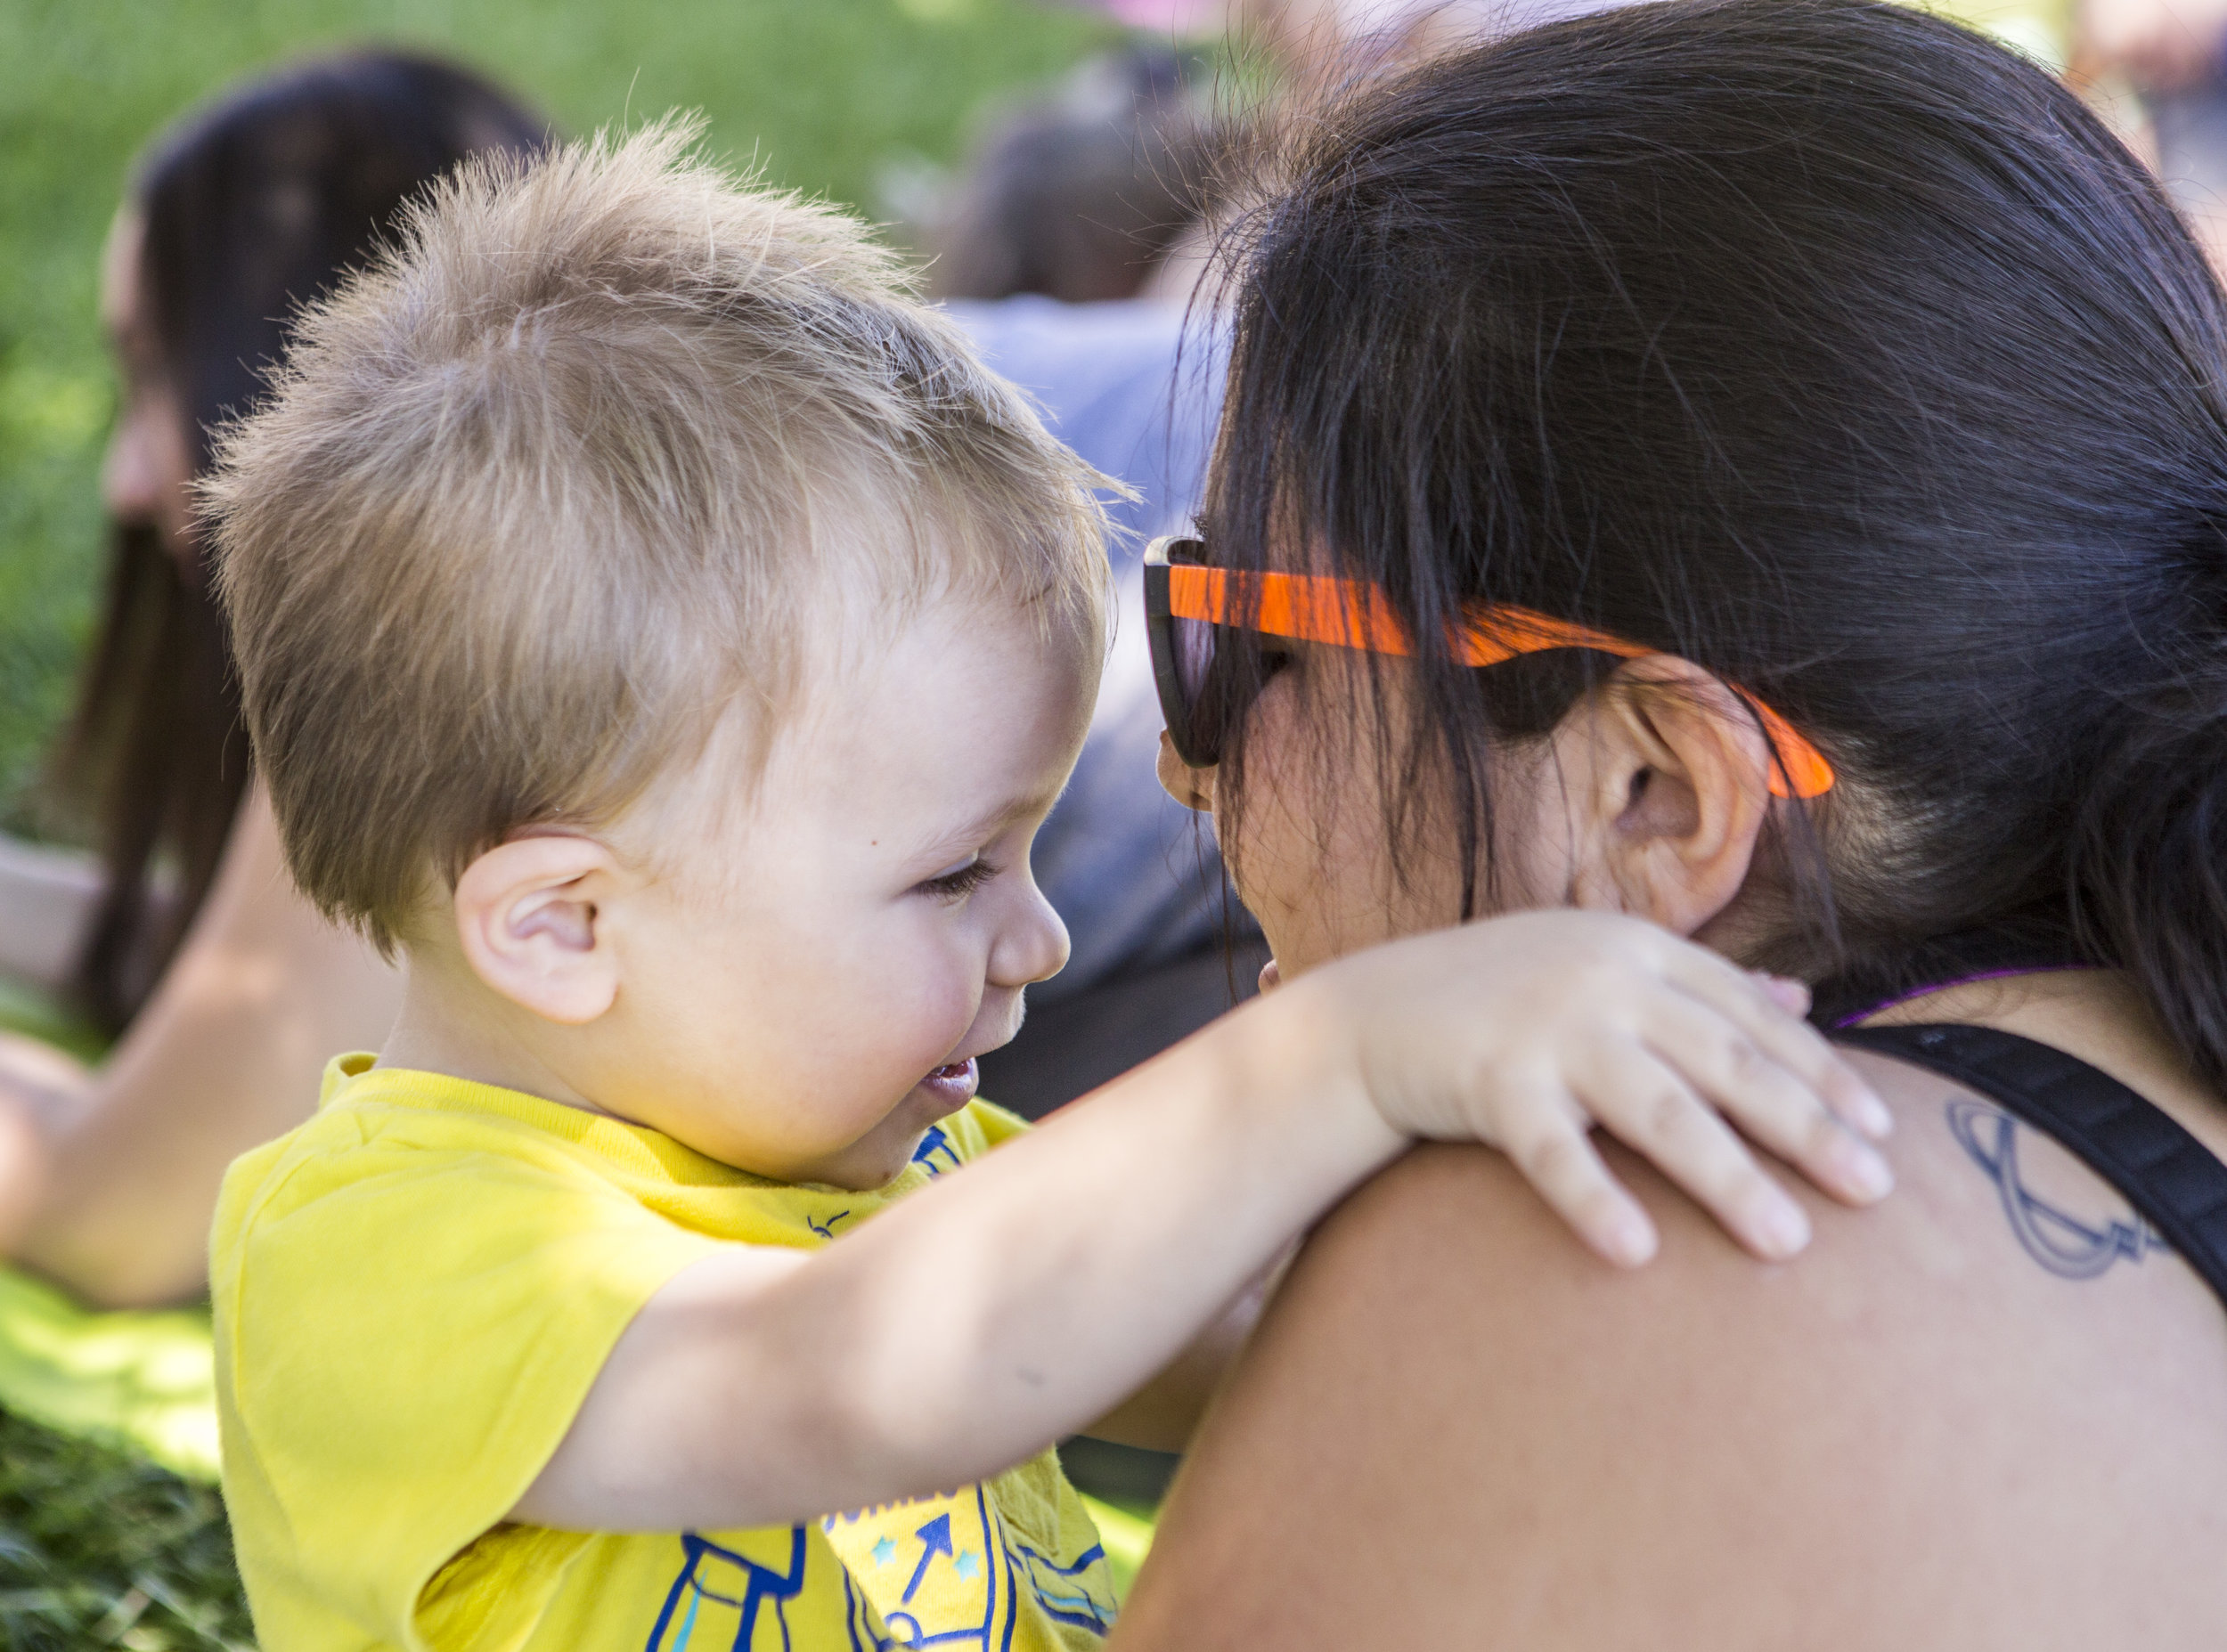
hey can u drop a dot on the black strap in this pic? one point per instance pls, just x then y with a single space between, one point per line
2135 1145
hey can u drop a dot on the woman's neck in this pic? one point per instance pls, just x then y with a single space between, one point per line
2094 1015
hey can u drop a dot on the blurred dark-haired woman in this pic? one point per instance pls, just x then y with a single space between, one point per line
1760 466
228 990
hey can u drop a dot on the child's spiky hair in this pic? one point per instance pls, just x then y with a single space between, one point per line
595 452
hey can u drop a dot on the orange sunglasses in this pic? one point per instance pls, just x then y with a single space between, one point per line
1185 598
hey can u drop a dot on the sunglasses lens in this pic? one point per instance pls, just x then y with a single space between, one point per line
1195 652
1193 644
1207 677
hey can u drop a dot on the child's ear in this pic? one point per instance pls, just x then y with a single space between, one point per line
1678 775
527 916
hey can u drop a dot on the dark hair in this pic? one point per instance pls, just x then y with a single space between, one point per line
1079 195
1826 345
251 207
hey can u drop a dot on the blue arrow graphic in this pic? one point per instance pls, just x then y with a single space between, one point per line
935 1539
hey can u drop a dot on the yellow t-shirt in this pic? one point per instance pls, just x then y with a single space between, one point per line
413 1293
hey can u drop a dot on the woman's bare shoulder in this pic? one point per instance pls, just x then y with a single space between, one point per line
1456 1427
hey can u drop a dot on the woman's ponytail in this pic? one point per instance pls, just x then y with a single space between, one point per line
2149 860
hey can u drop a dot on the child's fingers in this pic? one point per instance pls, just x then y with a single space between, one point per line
1790 995
1547 1142
1648 1105
1792 1043
1771 1104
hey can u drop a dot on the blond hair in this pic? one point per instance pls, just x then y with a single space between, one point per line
576 466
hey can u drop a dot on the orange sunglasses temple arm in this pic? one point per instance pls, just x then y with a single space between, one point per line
1347 613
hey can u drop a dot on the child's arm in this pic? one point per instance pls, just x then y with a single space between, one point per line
1006 1305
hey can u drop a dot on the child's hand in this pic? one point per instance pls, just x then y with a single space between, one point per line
1523 1032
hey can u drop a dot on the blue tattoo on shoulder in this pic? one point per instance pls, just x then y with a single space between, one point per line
2061 1242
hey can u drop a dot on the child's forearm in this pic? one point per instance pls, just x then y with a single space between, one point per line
988 1314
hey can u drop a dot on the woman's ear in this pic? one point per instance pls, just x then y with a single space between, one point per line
526 915
1677 784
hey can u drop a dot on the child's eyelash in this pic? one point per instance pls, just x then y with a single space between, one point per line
966 881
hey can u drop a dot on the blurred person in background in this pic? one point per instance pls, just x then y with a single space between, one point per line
1318 43
227 990
1077 196
2160 43
2172 53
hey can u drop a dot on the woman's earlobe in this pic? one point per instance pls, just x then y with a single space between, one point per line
1193 788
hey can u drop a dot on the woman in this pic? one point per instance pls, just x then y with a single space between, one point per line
1820 416
230 990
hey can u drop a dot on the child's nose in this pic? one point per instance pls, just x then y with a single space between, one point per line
1033 946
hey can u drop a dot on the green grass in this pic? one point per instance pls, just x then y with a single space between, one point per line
100 1547
827 95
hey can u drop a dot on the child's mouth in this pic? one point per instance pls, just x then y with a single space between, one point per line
953 1083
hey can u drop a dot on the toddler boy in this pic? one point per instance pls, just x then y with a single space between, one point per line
663 632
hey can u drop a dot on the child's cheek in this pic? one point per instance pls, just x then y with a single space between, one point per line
943 1014
888 1032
